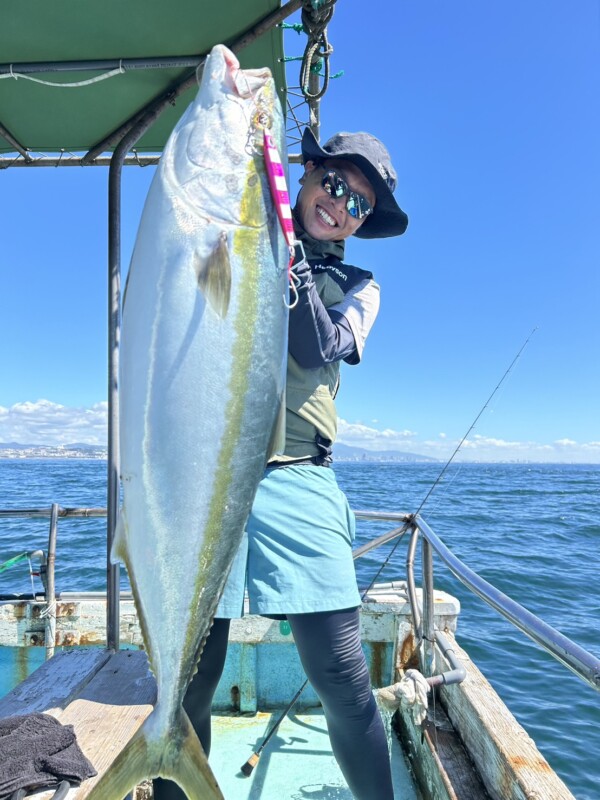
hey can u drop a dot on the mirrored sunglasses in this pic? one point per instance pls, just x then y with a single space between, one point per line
356 205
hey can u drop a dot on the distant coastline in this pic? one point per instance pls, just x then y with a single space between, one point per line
342 454
349 453
22 451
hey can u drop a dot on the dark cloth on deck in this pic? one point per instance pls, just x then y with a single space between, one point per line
36 750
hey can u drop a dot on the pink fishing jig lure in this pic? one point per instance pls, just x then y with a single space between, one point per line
279 190
281 198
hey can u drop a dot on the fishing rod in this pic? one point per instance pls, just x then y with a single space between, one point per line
475 421
247 768
400 532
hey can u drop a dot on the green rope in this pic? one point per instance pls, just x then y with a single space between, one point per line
297 26
331 77
316 67
12 561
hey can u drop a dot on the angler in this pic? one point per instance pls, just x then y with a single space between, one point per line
296 558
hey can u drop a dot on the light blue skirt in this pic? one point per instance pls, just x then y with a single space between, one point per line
296 555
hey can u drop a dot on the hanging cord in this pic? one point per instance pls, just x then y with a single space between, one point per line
316 67
296 26
315 18
120 70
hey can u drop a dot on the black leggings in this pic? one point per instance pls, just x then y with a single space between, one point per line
329 646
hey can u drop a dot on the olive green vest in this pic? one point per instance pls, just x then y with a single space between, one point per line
310 393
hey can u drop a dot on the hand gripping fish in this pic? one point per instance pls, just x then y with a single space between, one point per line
202 373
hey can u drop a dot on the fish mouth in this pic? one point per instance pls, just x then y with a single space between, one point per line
247 83
243 83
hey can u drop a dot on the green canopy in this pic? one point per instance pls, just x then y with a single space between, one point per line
48 119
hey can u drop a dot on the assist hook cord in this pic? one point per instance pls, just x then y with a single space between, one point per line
407 525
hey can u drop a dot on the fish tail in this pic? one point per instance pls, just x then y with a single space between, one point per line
189 768
178 757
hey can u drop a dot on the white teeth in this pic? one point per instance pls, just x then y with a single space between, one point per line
325 216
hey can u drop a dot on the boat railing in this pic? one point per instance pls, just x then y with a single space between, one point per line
48 559
585 665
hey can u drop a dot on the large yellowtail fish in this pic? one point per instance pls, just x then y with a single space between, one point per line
203 353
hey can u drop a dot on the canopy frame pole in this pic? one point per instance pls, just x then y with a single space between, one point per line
115 173
190 79
114 461
75 161
6 134
99 65
136 127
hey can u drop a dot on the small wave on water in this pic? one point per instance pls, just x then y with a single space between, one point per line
531 530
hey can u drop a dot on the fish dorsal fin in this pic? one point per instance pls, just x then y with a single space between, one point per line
213 273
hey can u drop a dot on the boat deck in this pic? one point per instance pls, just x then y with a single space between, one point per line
469 742
297 764
106 697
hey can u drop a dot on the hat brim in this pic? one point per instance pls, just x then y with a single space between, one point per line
387 218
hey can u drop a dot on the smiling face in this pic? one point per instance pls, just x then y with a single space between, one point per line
325 217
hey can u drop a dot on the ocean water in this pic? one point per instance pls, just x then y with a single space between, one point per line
531 530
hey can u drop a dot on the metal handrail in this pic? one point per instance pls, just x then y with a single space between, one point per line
578 660
46 511
585 665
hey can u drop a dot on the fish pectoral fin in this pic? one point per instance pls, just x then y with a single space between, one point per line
213 274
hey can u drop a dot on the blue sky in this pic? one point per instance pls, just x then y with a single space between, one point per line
490 111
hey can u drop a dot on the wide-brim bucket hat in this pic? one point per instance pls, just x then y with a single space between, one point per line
372 158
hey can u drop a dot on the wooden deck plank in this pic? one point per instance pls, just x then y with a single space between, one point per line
53 685
506 756
438 758
106 697
109 711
